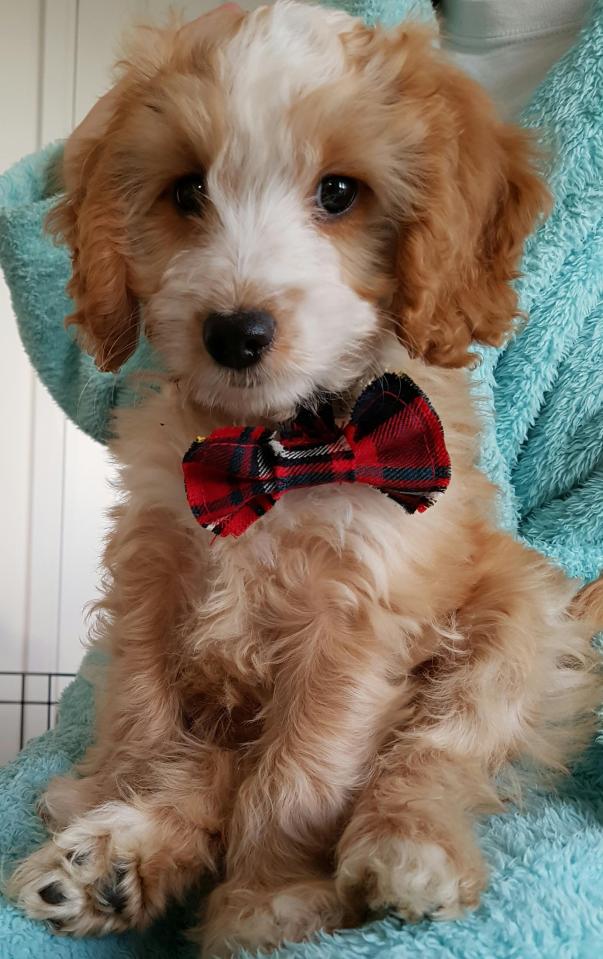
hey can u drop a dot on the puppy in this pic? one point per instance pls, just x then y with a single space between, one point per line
289 203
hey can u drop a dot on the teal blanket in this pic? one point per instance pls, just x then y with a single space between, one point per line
543 447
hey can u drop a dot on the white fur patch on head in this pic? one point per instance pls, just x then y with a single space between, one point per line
298 43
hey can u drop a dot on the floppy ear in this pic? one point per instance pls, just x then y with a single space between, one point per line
476 199
91 220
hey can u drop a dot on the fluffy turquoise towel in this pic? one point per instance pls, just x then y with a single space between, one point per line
544 447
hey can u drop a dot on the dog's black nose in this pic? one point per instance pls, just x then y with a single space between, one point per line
238 340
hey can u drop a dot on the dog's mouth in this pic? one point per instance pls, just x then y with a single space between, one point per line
258 396
256 399
280 382
269 395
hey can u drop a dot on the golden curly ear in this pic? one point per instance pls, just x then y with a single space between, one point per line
477 199
90 219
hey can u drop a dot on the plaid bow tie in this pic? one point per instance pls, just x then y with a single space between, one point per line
393 441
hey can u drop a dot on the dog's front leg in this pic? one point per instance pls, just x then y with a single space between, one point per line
145 815
517 680
319 733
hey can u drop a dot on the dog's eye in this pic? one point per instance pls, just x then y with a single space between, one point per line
336 193
189 193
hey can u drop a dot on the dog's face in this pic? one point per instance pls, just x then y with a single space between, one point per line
282 191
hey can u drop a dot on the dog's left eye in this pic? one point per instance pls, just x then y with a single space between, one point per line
336 193
189 193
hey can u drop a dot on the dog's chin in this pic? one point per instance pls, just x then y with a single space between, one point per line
252 401
269 395
256 402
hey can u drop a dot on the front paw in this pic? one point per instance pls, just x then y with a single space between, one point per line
87 879
411 877
241 918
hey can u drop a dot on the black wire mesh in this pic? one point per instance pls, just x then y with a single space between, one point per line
24 690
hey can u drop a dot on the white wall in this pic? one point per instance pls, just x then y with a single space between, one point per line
55 57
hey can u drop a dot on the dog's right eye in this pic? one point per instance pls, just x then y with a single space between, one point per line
189 193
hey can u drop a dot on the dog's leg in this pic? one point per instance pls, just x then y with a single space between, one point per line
409 846
319 733
516 681
146 816
118 865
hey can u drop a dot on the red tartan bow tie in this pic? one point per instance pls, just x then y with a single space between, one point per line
393 441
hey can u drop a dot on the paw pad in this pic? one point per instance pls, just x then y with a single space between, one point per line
53 894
